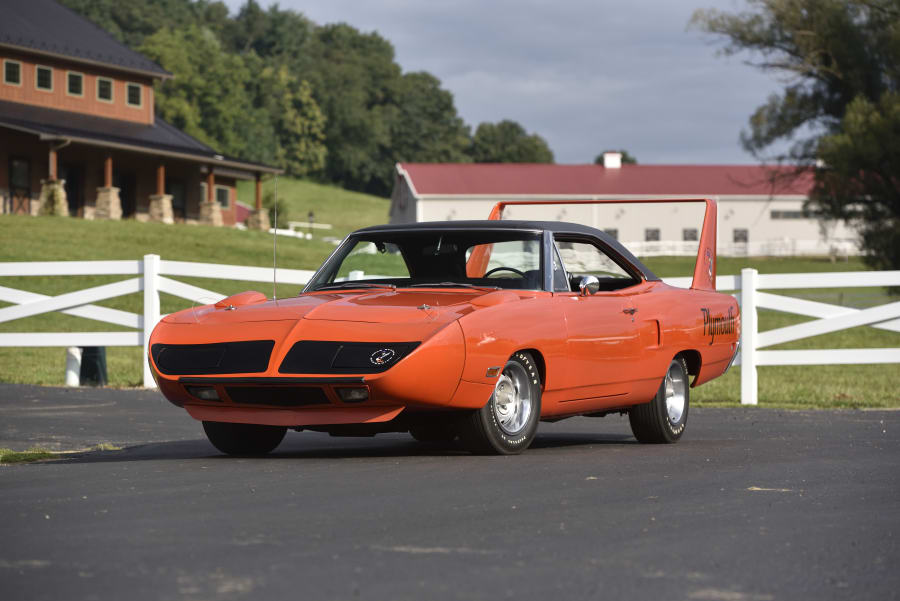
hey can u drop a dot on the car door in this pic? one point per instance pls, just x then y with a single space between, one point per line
603 344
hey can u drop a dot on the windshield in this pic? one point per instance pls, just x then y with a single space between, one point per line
445 258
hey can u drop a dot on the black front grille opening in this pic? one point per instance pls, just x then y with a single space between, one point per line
332 357
220 358
279 396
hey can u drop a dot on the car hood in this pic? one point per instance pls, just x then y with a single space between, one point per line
375 306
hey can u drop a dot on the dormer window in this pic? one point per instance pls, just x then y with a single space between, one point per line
43 79
12 72
134 94
74 84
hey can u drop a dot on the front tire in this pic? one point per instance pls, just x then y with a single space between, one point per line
663 419
507 424
243 439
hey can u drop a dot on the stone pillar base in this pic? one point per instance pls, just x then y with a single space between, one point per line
211 214
53 198
161 208
259 220
108 205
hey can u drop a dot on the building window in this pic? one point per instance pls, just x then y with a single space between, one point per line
134 94
689 234
612 233
741 235
104 89
651 234
12 72
43 79
788 214
223 196
74 84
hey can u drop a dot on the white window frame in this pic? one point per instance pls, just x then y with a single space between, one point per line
79 74
128 85
36 78
112 90
21 73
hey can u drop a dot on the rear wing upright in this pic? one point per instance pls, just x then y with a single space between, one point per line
704 268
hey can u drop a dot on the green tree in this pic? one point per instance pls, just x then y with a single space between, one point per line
508 142
627 158
426 127
842 62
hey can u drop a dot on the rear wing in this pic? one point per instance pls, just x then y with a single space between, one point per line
704 268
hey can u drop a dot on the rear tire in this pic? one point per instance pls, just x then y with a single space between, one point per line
507 424
663 419
243 439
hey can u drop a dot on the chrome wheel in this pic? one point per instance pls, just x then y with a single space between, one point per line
511 402
676 389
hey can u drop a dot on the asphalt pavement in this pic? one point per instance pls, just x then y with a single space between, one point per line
752 505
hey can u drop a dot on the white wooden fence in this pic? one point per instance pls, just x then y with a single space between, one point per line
831 318
151 272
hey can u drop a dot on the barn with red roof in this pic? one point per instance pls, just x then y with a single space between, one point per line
760 206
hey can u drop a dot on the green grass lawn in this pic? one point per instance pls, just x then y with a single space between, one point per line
54 239
343 209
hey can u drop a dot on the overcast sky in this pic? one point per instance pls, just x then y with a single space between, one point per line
586 75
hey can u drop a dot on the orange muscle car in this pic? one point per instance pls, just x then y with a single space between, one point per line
475 330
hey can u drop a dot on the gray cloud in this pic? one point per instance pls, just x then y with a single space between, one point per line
585 75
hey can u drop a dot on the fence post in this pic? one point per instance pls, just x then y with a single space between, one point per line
73 366
749 332
151 311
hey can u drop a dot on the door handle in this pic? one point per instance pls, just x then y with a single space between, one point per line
630 311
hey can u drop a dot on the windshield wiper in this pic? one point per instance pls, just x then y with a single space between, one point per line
451 285
354 284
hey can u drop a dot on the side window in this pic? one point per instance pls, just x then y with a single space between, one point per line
583 258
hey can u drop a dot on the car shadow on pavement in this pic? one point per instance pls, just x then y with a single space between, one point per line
324 447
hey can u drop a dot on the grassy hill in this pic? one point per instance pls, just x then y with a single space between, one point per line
58 239
343 209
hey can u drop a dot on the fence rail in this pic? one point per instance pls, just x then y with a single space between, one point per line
151 279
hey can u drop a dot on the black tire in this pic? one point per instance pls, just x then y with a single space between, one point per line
496 429
243 439
434 431
654 422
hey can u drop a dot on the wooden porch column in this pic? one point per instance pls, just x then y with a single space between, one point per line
210 211
210 187
258 192
52 165
107 172
161 179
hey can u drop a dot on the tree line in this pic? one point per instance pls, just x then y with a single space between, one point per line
322 101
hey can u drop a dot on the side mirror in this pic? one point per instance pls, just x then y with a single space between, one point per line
588 284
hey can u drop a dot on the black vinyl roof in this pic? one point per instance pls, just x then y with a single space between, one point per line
48 27
159 136
559 228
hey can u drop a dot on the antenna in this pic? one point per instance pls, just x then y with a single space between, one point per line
275 245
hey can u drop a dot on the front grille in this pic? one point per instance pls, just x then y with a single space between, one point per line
221 358
330 357
280 396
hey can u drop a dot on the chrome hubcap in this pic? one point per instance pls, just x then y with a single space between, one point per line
511 401
676 393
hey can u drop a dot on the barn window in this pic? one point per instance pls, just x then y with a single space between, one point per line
651 234
776 214
12 72
134 94
689 234
44 78
74 84
741 235
104 89
612 233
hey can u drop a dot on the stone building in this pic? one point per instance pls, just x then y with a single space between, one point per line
79 136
